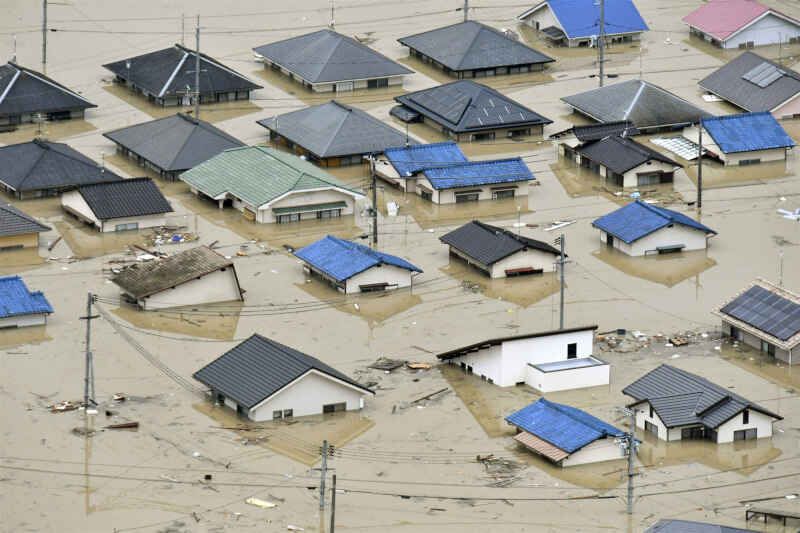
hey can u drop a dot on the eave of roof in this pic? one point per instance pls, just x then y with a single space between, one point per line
458 352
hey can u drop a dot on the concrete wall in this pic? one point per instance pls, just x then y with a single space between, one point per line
26 240
573 378
23 320
789 109
787 356
485 363
307 395
395 277
764 32
516 354
599 450
74 203
761 422
692 239
218 286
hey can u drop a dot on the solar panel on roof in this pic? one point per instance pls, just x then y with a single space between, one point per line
764 74
447 102
766 311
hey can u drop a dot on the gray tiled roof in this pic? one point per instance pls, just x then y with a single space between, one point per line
729 83
468 106
681 398
23 90
472 45
15 222
175 143
259 367
644 104
126 198
157 276
334 129
489 244
685 526
327 56
45 165
621 155
595 132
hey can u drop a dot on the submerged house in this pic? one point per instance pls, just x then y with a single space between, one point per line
265 380
766 317
328 61
20 307
625 162
18 230
674 404
575 136
684 526
403 165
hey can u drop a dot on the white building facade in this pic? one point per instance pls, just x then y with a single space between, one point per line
673 235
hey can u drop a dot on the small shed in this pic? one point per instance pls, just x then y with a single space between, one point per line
18 230
20 307
626 163
352 268
265 380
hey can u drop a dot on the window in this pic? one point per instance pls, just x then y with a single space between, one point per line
383 82
471 197
793 40
650 428
614 177
692 433
328 213
653 178
745 434
737 334
334 407
129 225
768 349
747 45
277 415
482 136
519 133
651 411
291 217
288 413
10 247
745 162
572 350
425 195
503 194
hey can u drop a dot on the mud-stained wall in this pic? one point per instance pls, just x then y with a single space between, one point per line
755 342
393 276
27 240
307 395
599 450
448 196
218 286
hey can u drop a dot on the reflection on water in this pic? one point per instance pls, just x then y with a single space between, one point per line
666 269
86 242
215 321
14 337
716 174
52 131
16 261
785 376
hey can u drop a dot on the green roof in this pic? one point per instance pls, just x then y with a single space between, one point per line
258 175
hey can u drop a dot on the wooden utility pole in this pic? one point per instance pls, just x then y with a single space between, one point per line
44 32
333 504
197 74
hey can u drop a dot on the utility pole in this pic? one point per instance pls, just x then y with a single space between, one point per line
700 165
44 32
183 27
562 261
89 358
325 450
333 504
374 200
466 10
630 446
602 38
197 74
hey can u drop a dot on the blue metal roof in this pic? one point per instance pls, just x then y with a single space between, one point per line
408 160
581 18
639 219
479 173
16 300
561 425
747 131
342 259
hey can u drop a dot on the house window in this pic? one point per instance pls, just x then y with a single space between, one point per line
614 177
241 409
334 407
768 349
572 350
737 334
471 197
482 136
745 417
277 415
329 213
425 195
651 428
692 433
653 178
503 194
129 225
519 133
651 411
288 413
745 434
484 73
383 82
793 40
291 217
746 45
746 162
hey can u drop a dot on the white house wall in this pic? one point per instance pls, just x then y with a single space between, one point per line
516 354
218 286
327 196
761 422
572 378
788 110
630 178
768 30
529 257
394 277
307 396
74 202
544 17
764 156
643 414
692 239
485 363
599 450
23 320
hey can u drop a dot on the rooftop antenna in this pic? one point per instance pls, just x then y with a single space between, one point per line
14 59
330 24
183 21
780 279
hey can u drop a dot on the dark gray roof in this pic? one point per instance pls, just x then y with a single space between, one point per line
681 398
259 367
489 244
468 106
729 82
464 350
23 90
175 143
126 198
46 165
157 276
621 155
646 105
327 56
472 45
685 526
15 222
335 129
168 72
595 132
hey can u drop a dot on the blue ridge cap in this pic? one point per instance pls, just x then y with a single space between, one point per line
16 299
408 160
563 426
747 131
479 173
342 259
638 219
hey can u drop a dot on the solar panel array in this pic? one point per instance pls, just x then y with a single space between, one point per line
447 102
494 112
766 311
764 74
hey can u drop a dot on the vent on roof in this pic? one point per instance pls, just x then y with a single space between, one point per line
764 74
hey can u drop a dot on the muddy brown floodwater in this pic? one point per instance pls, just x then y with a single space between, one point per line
400 465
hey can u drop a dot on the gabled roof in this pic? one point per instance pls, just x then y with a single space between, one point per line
169 71
23 90
468 106
174 143
408 160
685 526
16 300
565 427
15 222
724 18
681 398
479 173
458 352
258 175
622 155
736 83
127 198
326 56
334 129
342 259
638 101
257 368
172 271
746 132
44 165
581 18
638 219
472 45
765 310
489 244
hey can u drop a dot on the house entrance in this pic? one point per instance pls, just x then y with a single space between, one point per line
334 407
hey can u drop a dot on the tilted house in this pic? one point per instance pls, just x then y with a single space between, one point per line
742 24
565 435
193 277
42 168
172 145
163 77
328 61
20 307
577 22
673 404
766 317
118 205
25 93
468 111
18 230
548 361
757 84
640 228
270 186
402 166
685 526
473 50
499 253
265 380
353 268
626 163
333 134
